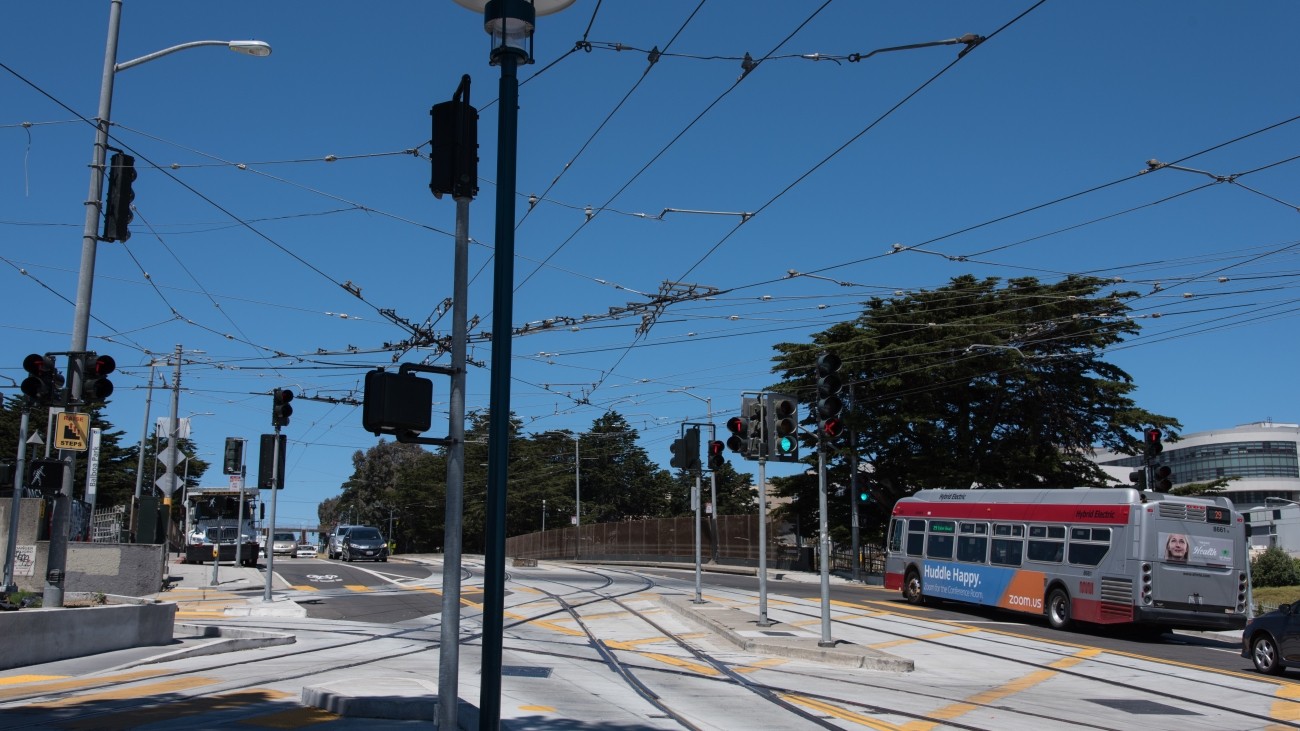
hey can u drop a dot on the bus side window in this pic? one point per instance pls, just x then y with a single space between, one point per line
1007 552
1047 543
972 546
939 544
1088 546
915 537
896 535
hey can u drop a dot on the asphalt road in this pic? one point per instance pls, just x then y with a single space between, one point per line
361 592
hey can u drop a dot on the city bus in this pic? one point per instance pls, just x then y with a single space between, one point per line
1109 556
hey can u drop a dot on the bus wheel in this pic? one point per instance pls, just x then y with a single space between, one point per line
912 588
1058 609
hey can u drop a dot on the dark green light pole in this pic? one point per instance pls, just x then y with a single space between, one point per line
510 23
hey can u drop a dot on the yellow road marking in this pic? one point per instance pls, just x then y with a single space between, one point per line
135 691
841 713
539 709
75 683
679 662
1285 707
201 615
305 587
930 636
11 680
552 625
993 695
356 587
136 717
632 644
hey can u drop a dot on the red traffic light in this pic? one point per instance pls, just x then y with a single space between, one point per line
1153 436
38 364
103 366
833 427
737 426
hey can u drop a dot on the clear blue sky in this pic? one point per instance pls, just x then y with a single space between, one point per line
245 234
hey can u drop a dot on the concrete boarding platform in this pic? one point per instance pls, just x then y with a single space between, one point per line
740 627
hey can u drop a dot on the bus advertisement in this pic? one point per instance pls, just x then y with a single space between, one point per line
1098 555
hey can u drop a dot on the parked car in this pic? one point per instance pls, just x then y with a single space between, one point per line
363 543
306 550
284 543
334 549
1272 640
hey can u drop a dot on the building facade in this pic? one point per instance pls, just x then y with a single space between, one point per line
1260 460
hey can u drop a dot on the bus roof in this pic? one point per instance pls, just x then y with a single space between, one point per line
1082 504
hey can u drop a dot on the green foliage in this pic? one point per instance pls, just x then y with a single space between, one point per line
1274 567
617 479
1218 486
977 384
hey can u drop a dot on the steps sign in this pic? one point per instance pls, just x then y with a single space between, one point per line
71 431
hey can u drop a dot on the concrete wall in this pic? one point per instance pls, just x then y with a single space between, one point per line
34 636
128 569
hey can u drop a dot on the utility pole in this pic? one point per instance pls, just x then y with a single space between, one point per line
11 548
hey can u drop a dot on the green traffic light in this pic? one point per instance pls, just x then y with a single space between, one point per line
786 445
864 496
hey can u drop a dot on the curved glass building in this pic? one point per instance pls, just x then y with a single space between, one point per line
1261 460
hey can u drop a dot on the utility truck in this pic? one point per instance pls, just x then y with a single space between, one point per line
213 518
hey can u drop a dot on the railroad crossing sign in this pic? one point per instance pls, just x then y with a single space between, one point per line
71 431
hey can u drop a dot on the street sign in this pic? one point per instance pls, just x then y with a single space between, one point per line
168 484
72 431
166 455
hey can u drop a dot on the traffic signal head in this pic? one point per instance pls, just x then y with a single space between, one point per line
693 449
397 403
95 385
234 461
1152 439
739 439
716 456
117 211
746 429
280 408
678 448
829 404
1164 479
43 380
686 450
782 427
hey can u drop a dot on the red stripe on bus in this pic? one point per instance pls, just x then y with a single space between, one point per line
1021 512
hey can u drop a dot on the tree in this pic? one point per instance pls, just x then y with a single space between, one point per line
973 384
1274 567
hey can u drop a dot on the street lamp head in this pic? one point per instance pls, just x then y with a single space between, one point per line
511 22
252 48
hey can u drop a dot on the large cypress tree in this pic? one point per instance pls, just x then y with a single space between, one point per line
976 384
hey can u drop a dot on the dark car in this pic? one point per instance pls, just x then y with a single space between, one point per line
363 543
1272 640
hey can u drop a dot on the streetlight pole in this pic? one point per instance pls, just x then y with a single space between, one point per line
56 560
713 476
510 24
